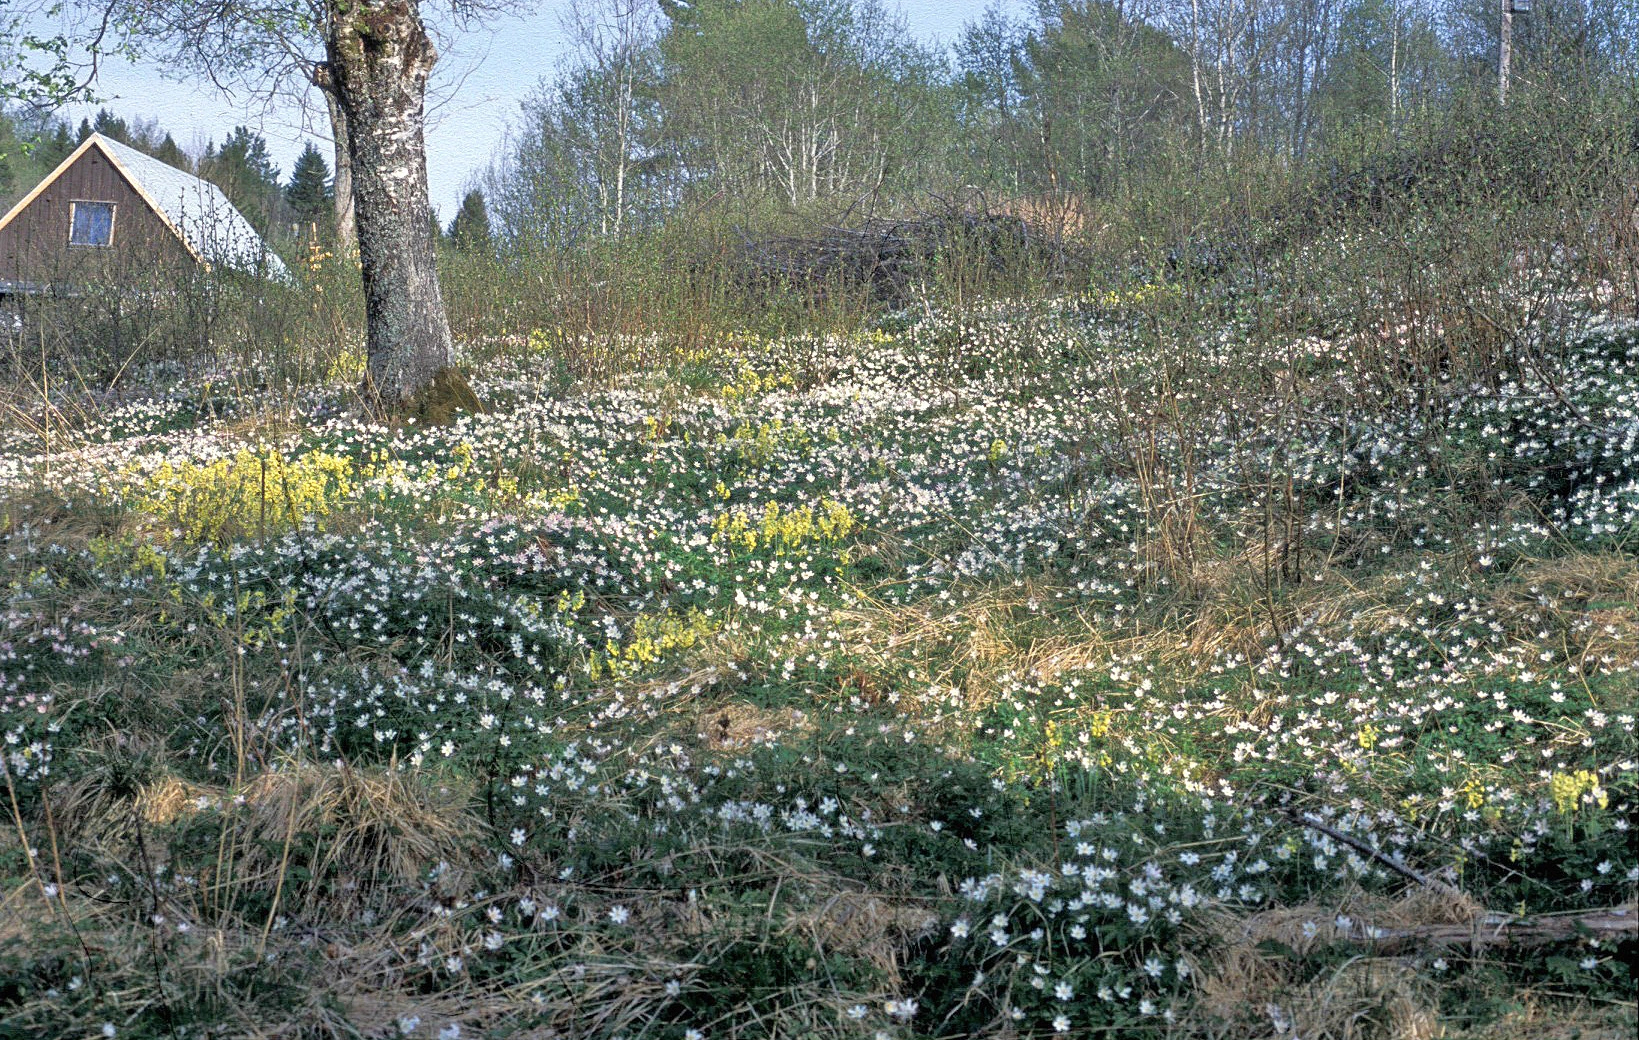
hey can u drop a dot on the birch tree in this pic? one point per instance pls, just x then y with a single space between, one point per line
613 89
378 57
268 51
799 100
1107 91
372 59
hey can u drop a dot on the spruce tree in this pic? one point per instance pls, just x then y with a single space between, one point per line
309 194
111 126
246 174
171 154
54 146
469 231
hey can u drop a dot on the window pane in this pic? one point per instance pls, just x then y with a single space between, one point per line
93 224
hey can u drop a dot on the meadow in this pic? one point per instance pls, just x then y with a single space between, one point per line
1161 659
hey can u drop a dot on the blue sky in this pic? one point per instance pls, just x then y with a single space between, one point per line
481 78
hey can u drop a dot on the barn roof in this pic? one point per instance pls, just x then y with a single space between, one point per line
211 228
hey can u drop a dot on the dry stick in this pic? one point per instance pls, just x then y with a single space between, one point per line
60 889
1435 884
154 918
1268 576
1621 922
57 865
279 885
236 679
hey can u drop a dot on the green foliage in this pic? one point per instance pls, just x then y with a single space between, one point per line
310 196
10 156
1112 88
55 146
469 230
245 172
33 68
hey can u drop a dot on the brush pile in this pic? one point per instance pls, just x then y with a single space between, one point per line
895 255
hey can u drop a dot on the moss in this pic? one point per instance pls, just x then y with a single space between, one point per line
448 395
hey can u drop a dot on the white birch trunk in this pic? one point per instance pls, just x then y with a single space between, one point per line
380 57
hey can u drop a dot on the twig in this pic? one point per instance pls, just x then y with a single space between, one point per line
1619 923
1433 884
1487 927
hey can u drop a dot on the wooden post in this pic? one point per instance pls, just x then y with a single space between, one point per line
1505 51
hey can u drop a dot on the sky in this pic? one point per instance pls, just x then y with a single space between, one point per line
481 80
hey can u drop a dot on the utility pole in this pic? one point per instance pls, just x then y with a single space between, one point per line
1505 51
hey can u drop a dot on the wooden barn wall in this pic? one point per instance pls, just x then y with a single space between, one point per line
34 246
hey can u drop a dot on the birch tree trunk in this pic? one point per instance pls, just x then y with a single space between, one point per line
380 57
342 186
1394 69
1195 72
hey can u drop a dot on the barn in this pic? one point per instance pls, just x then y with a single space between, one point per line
109 214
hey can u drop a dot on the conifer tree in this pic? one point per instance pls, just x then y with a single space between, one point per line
54 146
171 154
111 126
470 230
309 193
245 172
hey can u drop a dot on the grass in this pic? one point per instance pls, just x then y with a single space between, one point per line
971 675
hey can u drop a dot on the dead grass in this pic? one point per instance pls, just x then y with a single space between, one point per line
205 968
57 521
986 636
1248 986
356 830
1587 602
388 825
1544 1019
600 985
738 724
868 926
1252 983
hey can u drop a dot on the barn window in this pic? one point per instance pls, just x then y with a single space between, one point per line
90 223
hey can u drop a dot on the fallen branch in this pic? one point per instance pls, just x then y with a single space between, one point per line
1433 884
892 254
1618 924
1487 928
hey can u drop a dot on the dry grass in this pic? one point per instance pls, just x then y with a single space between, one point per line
1587 602
985 636
1248 987
866 925
388 825
357 830
738 724
603 985
208 967
1556 1020
43 508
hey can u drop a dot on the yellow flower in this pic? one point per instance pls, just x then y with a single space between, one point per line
250 492
1569 790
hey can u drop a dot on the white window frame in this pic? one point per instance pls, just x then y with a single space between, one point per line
113 219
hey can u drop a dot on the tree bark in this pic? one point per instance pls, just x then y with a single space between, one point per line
346 231
380 57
